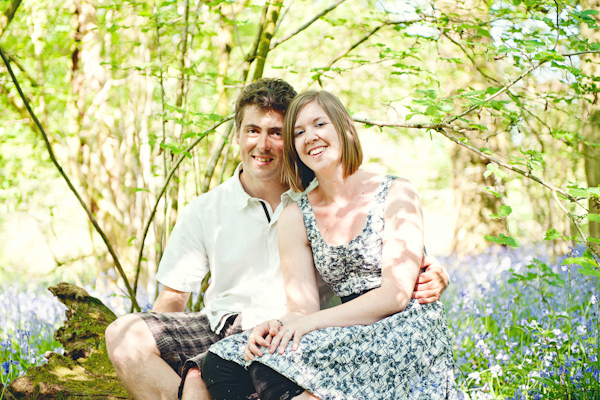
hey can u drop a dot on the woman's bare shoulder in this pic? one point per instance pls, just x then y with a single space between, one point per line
290 214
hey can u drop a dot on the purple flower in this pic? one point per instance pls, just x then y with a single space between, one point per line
6 367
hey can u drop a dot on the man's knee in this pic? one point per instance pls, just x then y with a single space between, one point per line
129 338
193 386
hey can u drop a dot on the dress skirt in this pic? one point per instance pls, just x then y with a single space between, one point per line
407 355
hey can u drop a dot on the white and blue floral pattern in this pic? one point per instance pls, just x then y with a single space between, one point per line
354 267
404 356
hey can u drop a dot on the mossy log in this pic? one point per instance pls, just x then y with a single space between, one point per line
84 371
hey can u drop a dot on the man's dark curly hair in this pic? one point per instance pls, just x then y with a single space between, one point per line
267 93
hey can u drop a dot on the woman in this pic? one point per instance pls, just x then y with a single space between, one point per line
364 234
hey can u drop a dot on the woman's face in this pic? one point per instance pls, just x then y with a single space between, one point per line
316 139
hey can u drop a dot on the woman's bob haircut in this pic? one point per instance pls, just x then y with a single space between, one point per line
295 172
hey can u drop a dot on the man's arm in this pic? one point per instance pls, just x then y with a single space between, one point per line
170 300
431 283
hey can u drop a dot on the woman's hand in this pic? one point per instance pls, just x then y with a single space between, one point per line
294 330
261 335
431 284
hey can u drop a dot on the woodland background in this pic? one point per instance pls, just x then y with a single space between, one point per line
490 107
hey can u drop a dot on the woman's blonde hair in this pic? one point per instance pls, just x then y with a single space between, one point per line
295 172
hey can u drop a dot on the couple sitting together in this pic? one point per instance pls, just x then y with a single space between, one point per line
297 212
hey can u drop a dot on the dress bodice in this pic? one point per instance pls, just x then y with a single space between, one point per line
354 267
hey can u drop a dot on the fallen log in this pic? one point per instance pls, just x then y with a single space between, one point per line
84 371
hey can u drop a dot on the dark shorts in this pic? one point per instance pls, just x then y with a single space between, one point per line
181 336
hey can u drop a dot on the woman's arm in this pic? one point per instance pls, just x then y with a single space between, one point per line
299 276
401 261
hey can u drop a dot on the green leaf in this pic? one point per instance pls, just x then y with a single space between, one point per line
498 195
578 193
585 262
503 239
492 168
589 272
485 150
585 13
478 126
552 234
494 239
504 211
593 217
594 191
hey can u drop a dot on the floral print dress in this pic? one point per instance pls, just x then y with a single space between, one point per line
404 356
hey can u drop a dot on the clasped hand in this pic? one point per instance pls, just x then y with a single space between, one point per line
274 336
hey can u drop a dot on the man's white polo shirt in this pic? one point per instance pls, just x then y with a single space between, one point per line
229 233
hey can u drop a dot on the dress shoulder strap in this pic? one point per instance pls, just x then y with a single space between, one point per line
310 221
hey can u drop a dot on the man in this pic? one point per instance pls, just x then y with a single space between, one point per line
230 231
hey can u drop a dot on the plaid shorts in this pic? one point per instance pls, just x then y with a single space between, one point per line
181 335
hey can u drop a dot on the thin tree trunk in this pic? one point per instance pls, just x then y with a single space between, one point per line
591 118
7 16
267 36
225 38
179 102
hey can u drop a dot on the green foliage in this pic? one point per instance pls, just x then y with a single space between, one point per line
503 239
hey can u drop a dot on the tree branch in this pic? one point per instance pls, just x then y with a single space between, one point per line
498 93
66 178
441 128
214 159
356 44
281 18
31 80
306 25
170 174
6 18
486 76
508 86
367 36
502 164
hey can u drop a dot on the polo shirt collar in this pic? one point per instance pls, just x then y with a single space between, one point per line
242 198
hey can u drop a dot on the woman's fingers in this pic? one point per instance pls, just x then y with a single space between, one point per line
274 327
285 339
252 346
296 342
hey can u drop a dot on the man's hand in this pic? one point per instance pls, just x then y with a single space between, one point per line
431 283
261 336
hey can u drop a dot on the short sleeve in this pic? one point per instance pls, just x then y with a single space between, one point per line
185 263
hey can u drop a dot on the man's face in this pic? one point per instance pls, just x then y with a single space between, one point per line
261 145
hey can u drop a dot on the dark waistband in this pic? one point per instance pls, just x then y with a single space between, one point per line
355 295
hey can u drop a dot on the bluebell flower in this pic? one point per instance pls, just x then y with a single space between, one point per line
6 367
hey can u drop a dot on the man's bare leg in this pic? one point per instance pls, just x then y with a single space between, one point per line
133 351
194 387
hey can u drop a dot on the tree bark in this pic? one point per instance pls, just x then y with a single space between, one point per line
267 36
7 16
473 204
225 45
591 117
